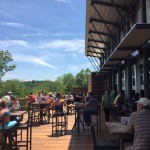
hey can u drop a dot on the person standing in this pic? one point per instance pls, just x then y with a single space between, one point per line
106 105
139 125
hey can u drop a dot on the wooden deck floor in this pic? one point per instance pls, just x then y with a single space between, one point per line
42 139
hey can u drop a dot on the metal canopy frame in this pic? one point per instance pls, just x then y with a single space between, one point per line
104 20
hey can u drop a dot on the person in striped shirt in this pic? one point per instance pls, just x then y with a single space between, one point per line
139 125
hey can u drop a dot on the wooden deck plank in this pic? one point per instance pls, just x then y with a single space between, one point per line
42 139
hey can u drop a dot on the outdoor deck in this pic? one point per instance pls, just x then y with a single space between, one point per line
42 139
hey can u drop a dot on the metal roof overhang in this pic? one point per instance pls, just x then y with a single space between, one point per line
98 28
138 34
102 21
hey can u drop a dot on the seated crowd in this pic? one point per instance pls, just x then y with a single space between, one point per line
138 123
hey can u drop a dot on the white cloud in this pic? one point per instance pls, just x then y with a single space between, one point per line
73 67
65 45
87 65
15 25
60 34
34 34
22 26
76 45
10 43
32 60
67 1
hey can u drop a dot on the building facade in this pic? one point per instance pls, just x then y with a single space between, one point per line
118 44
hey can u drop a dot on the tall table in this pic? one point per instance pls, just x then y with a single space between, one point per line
78 119
42 105
17 113
116 128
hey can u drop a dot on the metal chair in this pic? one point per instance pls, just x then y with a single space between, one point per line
96 119
27 128
100 144
7 133
36 110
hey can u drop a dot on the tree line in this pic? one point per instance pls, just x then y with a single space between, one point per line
63 84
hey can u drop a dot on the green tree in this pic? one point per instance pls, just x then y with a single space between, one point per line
81 79
58 84
15 86
5 58
67 82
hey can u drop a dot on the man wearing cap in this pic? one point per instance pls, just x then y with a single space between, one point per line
139 125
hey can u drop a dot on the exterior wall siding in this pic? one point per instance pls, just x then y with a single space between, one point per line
148 10
136 17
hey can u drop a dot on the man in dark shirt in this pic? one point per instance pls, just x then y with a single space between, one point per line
92 108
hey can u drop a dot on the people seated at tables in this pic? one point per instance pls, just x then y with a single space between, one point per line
118 107
51 98
139 125
44 96
44 99
81 95
77 98
14 106
7 98
6 114
51 101
58 100
118 100
69 98
92 108
38 97
32 97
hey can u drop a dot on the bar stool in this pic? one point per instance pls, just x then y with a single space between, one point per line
96 119
35 108
26 129
59 121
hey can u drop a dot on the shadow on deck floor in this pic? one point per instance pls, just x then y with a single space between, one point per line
42 139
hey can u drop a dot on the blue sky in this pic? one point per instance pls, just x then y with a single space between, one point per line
45 37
